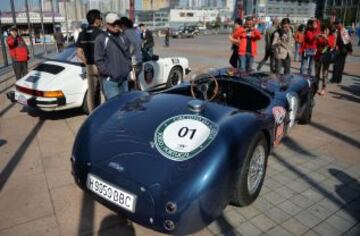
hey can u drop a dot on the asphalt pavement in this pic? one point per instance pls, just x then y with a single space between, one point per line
312 186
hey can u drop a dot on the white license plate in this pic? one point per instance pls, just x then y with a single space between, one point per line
22 100
111 193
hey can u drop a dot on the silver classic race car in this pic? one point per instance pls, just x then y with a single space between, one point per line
59 82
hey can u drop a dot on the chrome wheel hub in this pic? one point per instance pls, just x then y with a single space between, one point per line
256 169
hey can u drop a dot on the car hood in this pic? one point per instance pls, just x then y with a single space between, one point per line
121 138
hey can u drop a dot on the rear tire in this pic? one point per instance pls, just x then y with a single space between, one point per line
252 173
175 77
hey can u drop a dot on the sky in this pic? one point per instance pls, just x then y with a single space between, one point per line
33 4
19 5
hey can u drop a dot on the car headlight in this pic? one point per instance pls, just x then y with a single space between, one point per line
53 94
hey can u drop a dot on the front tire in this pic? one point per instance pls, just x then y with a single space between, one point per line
252 172
175 77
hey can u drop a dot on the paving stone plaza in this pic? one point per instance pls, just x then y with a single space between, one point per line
312 184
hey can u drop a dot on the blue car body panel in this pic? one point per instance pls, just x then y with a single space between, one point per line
116 143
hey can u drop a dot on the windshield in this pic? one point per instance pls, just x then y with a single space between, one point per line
67 55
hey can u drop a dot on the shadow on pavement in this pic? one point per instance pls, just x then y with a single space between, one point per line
116 225
344 96
7 88
110 225
6 109
352 90
15 159
87 215
343 190
290 143
317 186
336 134
225 226
53 115
6 79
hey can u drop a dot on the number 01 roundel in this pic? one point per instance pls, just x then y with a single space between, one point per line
180 138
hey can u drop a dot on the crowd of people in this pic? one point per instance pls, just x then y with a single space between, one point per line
102 51
122 43
315 45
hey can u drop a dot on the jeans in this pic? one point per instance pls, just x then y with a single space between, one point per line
268 54
245 63
113 88
309 61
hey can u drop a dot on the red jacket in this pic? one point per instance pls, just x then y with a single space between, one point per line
322 43
18 49
240 33
310 39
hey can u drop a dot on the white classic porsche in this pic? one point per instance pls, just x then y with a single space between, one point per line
59 83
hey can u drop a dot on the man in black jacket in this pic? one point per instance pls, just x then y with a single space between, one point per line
148 39
112 58
85 52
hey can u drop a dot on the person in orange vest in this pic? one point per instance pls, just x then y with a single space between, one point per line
19 53
246 38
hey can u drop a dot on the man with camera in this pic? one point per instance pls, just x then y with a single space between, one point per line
282 45
246 38
19 53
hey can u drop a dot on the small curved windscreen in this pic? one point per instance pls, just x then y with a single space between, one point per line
67 55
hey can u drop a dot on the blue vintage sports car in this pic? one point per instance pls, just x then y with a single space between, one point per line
173 160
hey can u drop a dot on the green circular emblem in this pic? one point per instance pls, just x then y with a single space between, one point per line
181 137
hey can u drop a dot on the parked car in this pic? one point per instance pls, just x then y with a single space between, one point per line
59 82
172 161
185 31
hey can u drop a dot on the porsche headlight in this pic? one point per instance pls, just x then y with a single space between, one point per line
293 102
53 94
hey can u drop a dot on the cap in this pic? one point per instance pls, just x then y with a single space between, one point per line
111 18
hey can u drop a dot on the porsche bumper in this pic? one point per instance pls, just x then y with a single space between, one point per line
35 102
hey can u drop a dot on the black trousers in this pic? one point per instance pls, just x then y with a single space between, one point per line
339 68
20 69
268 54
283 63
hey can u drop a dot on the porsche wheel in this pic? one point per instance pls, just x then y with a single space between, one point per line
175 77
252 173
